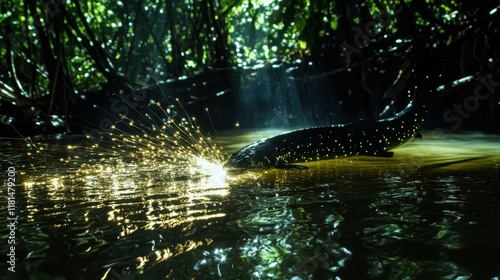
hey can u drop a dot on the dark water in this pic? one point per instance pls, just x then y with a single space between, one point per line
431 212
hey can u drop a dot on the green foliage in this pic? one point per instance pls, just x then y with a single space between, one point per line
76 46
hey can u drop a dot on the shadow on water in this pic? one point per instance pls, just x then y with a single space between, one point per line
429 212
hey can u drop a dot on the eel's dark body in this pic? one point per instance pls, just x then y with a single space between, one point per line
361 137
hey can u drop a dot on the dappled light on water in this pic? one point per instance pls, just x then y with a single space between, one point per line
110 207
112 194
429 211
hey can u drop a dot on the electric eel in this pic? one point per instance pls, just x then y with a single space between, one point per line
368 137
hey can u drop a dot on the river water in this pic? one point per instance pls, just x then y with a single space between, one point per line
430 212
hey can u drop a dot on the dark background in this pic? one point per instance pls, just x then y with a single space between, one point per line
77 68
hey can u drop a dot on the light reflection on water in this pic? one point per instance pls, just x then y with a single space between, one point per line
429 212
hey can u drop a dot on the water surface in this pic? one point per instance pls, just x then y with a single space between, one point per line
430 212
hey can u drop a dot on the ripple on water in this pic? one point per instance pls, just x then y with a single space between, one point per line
429 212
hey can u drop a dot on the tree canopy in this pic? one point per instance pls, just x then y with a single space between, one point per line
55 52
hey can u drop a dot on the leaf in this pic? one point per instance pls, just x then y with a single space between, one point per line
334 24
302 44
